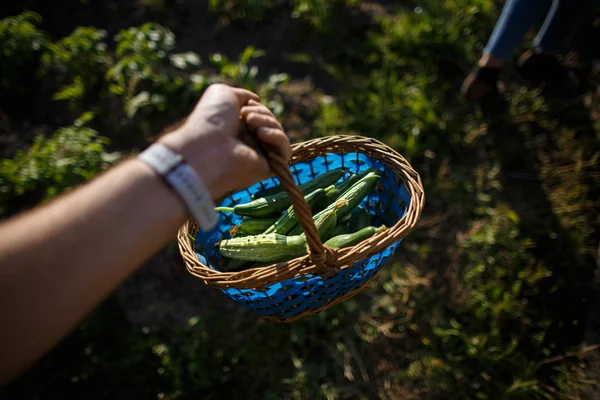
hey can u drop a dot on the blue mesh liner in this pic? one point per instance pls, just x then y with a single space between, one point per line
387 204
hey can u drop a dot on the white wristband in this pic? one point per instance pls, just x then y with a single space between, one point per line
184 180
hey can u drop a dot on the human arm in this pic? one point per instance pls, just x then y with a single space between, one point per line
59 261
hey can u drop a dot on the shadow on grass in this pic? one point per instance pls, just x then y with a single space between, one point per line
566 297
569 295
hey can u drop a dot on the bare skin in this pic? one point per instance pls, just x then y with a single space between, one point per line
489 61
57 262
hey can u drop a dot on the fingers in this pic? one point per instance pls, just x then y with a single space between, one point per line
256 120
252 166
259 109
217 112
244 96
276 138
226 97
257 115
261 120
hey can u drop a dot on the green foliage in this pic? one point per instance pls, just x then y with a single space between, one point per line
241 11
402 98
83 57
147 72
21 43
315 14
71 156
436 31
149 75
242 74
331 118
239 72
155 5
404 103
474 305
318 14
488 327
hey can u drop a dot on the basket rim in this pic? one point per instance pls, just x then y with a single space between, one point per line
258 278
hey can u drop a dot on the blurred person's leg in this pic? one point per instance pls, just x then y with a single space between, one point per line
516 19
565 18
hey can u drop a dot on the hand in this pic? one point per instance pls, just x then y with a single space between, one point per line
209 139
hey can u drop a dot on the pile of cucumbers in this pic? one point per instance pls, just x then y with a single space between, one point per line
270 231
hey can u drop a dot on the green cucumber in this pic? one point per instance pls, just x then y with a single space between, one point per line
234 265
266 248
273 247
326 224
351 197
336 191
353 239
368 171
356 194
288 220
360 218
267 192
255 226
274 204
340 188
276 189
342 229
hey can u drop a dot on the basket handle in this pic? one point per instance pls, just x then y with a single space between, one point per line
323 257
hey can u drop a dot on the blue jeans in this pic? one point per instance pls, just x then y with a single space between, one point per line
562 22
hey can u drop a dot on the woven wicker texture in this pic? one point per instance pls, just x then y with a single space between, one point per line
306 285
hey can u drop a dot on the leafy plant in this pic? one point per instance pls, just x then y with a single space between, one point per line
147 73
242 11
239 71
149 76
71 156
436 32
21 43
318 14
82 58
242 74
155 5
485 298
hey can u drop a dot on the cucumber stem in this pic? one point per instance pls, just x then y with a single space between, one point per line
226 209
329 188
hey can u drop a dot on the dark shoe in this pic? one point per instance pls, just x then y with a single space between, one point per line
481 83
540 68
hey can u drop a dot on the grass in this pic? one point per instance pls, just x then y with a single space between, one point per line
488 298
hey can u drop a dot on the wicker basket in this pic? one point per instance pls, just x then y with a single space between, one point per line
288 291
